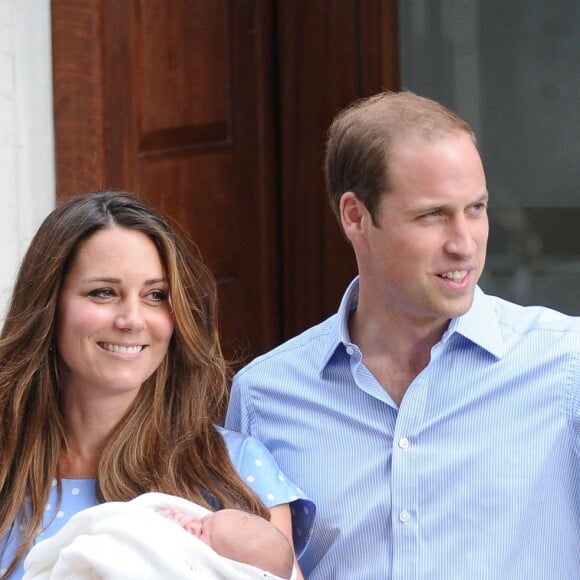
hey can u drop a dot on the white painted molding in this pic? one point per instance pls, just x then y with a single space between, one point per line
27 174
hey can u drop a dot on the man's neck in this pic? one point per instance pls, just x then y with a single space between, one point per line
395 351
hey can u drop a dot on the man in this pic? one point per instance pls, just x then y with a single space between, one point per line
436 428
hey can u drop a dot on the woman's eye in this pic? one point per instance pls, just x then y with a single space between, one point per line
157 296
101 293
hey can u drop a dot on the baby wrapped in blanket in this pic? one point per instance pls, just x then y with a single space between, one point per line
161 536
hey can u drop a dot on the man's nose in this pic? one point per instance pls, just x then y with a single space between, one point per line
460 238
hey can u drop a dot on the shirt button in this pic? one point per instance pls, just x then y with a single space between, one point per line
349 350
404 517
403 443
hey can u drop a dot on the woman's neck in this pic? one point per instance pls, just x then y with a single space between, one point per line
75 465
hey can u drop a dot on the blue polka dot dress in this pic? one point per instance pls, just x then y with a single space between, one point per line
251 459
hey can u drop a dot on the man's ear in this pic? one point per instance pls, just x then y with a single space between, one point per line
352 212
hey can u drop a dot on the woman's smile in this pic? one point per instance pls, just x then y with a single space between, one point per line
116 297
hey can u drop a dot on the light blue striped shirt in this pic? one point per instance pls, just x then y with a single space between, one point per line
476 476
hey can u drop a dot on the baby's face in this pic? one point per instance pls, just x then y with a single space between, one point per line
218 530
202 528
226 531
240 536
246 538
215 529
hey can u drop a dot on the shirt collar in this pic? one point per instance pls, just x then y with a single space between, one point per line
479 325
338 329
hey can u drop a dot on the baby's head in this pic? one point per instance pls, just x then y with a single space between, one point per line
242 537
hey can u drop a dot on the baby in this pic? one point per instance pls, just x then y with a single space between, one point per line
240 536
140 539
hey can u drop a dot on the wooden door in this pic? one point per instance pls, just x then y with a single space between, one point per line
215 111
174 100
331 52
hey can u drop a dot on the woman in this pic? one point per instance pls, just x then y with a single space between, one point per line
110 375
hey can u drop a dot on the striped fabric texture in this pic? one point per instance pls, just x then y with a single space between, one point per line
475 476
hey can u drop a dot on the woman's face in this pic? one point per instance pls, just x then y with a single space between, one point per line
114 320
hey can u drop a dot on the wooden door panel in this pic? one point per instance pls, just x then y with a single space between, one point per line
185 49
330 54
78 73
200 190
176 120
187 152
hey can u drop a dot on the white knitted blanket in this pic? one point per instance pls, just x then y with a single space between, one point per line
131 541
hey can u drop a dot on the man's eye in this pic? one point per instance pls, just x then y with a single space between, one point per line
478 209
432 214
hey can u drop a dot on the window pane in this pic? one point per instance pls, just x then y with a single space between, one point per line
512 69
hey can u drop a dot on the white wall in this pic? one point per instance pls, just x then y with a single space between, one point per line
27 175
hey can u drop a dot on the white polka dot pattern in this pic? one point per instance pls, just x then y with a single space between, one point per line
252 460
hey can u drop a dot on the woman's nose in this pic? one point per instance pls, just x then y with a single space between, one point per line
130 316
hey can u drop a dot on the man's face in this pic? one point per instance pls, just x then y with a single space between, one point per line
424 259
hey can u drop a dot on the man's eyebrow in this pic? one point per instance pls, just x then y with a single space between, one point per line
428 207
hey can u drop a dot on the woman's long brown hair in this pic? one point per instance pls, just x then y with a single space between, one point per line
167 441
